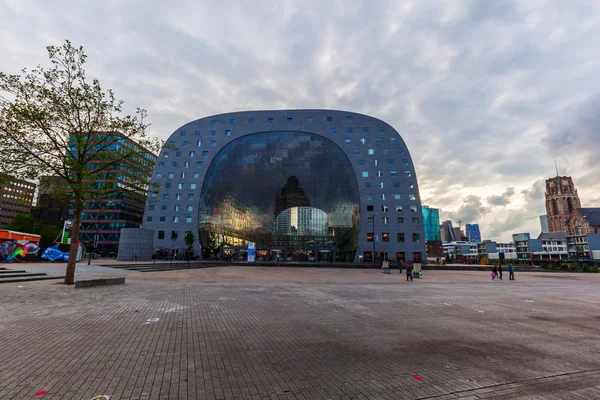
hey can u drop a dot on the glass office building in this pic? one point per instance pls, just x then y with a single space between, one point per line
431 223
299 183
473 233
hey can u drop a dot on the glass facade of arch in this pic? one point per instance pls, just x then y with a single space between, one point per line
292 192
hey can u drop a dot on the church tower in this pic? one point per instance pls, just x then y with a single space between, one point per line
561 200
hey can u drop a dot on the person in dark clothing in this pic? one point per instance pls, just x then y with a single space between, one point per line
400 265
409 270
500 271
511 273
494 272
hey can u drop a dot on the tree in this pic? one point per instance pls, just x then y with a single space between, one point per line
189 239
56 121
30 224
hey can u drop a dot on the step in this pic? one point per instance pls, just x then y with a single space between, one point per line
20 275
11 271
31 279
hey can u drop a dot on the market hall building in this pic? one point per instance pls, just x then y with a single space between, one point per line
303 185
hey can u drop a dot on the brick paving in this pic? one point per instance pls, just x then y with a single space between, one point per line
293 333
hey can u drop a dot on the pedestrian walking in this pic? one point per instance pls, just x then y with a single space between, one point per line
400 265
494 272
511 273
409 270
500 271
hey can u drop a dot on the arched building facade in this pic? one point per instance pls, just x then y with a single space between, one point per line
301 183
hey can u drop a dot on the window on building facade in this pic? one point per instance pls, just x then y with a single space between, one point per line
176 208
199 164
162 219
148 219
166 154
213 143
270 120
416 237
205 154
329 119
397 196
383 196
413 208
188 220
385 151
180 186
363 140
232 122
165 196
192 186
378 140
192 153
415 220
381 185
190 196
174 235
361 162
400 220
348 130
227 133
309 120
182 133
408 174
250 121
190 208
197 133
400 237
385 236
182 175
412 197
365 174
332 130
213 121
174 164
178 196
384 208
367 184
161 235
196 175
170 175
178 154
399 208
369 236
369 208
385 220
366 129
163 207
347 140
370 219
369 196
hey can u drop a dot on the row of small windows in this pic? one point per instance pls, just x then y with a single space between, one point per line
178 196
213 143
176 207
383 151
185 164
390 161
400 237
386 220
171 175
385 208
395 185
271 120
407 173
179 185
384 196
188 219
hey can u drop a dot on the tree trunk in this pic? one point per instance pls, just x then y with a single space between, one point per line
70 273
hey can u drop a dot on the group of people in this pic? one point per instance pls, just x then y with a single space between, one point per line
497 272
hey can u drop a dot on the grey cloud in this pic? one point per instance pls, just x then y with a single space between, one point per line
503 199
471 210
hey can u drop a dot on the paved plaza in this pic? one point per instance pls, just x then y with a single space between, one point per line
303 333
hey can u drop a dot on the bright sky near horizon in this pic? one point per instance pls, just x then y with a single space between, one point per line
486 94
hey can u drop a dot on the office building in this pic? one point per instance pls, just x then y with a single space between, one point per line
103 218
431 223
16 197
472 231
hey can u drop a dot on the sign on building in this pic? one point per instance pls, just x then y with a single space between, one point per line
251 252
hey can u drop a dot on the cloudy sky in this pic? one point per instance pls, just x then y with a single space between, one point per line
487 94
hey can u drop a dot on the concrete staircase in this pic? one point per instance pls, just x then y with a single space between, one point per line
19 275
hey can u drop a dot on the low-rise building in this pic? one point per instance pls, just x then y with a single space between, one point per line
554 246
525 245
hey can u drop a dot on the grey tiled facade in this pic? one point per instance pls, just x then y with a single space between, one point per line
375 150
135 242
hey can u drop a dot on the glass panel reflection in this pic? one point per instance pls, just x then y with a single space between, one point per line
293 193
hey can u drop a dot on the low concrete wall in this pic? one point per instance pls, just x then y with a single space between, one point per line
135 242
